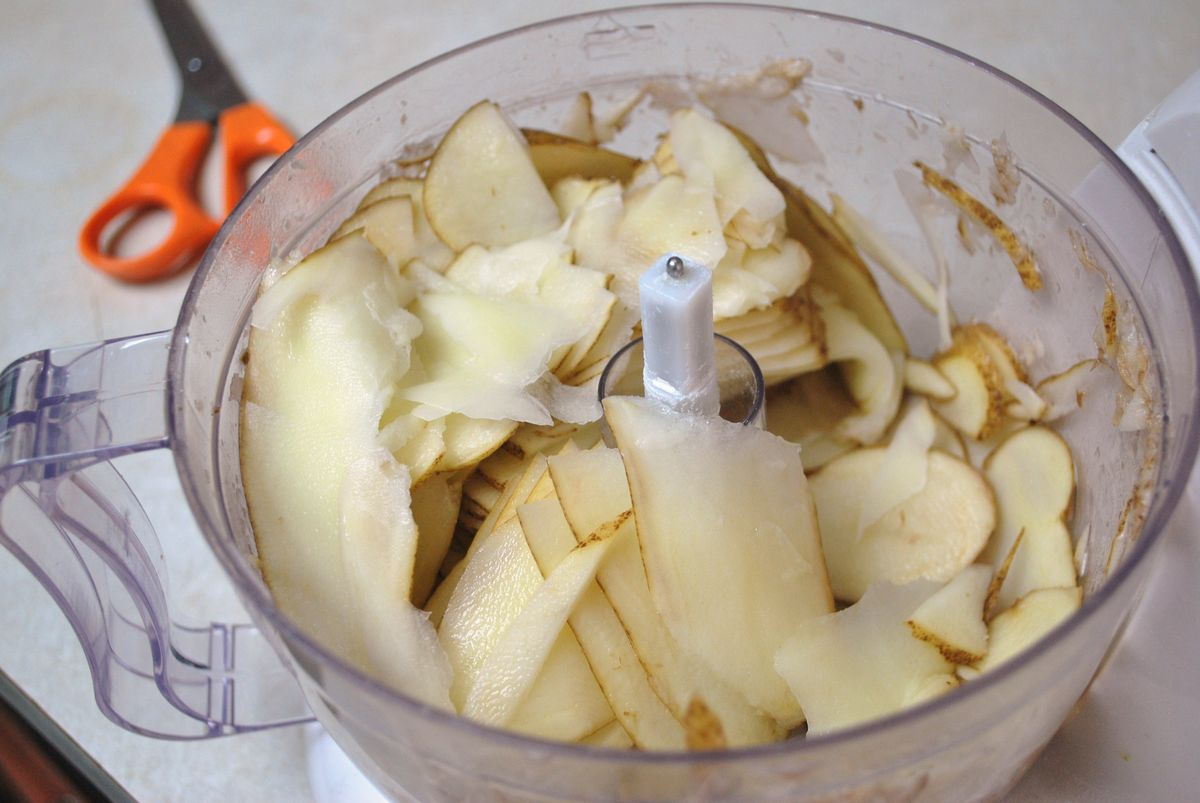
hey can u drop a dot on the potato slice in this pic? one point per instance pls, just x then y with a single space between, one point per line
932 535
835 264
499 581
719 505
872 374
905 466
579 122
672 216
786 339
317 382
379 545
879 249
468 441
429 248
924 378
1022 258
388 224
615 663
1033 476
435 504
1022 625
482 186
861 663
709 154
556 157
515 661
1064 392
515 493
591 486
977 407
613 735
952 619
933 686
806 410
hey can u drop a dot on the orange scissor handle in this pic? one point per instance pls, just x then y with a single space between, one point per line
248 132
166 179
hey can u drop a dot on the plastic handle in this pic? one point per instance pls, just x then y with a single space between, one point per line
248 132
68 516
1164 153
165 180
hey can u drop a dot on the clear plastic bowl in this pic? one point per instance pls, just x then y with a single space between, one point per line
876 100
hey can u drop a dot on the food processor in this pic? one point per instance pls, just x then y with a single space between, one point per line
875 101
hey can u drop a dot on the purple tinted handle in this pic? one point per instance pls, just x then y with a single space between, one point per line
69 517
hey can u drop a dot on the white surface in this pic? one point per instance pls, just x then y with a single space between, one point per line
85 88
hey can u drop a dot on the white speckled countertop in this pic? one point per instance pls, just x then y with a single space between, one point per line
85 88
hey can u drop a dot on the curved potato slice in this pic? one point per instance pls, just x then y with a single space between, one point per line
835 264
872 374
932 535
555 157
1033 476
482 186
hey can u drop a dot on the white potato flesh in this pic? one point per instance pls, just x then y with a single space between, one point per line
497 583
388 224
861 663
672 216
322 364
873 375
709 154
515 661
592 488
922 377
468 441
952 619
723 506
434 504
1033 476
905 466
378 543
1022 625
482 353
482 186
932 535
429 248
619 671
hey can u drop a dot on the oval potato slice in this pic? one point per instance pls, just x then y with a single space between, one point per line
932 535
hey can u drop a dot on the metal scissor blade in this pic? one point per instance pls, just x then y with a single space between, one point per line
208 86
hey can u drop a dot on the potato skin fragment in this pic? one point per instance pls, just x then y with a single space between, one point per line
1022 258
702 728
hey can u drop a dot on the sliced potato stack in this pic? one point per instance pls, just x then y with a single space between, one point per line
422 459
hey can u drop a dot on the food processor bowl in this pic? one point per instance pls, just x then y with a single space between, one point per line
875 102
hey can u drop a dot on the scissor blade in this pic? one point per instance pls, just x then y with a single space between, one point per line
208 86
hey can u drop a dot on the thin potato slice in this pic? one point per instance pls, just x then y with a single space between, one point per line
924 378
932 535
686 473
952 619
1033 616
614 661
1033 476
591 487
388 225
835 264
862 662
482 186
556 157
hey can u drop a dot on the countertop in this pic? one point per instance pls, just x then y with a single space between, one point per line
85 88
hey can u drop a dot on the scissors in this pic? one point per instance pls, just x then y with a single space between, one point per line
211 98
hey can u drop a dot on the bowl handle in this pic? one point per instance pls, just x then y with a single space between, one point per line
70 518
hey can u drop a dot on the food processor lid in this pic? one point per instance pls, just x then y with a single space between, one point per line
1164 153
